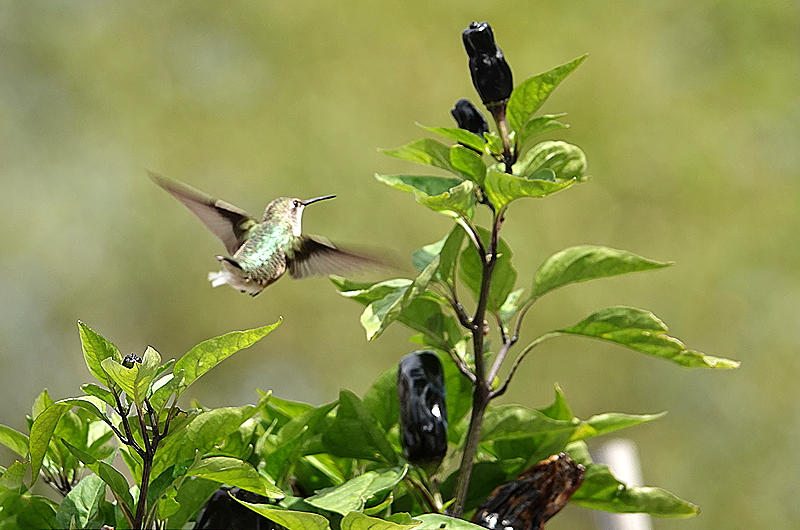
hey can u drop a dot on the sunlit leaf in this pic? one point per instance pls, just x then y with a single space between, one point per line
567 161
502 188
642 331
209 353
95 349
13 476
467 162
504 276
234 472
528 96
359 521
292 520
41 432
354 494
587 262
444 194
14 440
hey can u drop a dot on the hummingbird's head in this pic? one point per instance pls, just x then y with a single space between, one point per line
290 209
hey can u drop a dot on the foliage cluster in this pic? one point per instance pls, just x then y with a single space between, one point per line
343 464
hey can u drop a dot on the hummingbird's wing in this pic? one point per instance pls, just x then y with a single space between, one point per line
315 255
226 221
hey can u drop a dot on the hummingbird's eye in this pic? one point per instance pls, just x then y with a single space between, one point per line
296 203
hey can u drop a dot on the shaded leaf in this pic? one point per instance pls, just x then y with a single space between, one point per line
356 433
359 521
462 136
424 151
532 93
41 432
82 504
642 331
602 491
504 276
13 476
99 392
469 163
587 262
540 125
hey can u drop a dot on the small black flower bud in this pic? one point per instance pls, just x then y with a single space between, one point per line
423 413
535 496
469 118
491 74
131 358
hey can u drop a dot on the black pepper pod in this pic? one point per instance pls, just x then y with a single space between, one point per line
423 412
221 512
469 118
533 498
491 74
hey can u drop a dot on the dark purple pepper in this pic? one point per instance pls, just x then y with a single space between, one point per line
533 498
131 358
221 512
491 74
423 412
469 118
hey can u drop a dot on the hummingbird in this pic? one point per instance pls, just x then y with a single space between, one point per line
262 251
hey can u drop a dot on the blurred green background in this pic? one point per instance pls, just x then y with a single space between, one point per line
688 111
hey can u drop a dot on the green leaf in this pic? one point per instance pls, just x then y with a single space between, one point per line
642 331
41 432
99 392
587 262
359 521
567 161
292 520
447 249
504 276
192 495
540 125
435 521
517 431
381 398
514 301
82 504
462 136
602 491
209 353
442 194
502 188
354 494
532 93
95 349
12 478
14 440
380 313
136 380
469 163
425 151
609 422
108 474
356 433
419 184
234 472
25 511
559 409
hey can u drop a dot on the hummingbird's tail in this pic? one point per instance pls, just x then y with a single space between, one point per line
233 275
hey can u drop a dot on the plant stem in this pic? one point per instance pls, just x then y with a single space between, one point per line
482 391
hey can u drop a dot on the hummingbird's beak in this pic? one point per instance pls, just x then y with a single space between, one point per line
309 201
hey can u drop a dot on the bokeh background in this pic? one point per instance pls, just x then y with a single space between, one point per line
688 111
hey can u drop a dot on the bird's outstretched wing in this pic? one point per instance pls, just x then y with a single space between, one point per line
314 255
226 221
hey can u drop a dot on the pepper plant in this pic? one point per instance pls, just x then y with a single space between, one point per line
426 446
